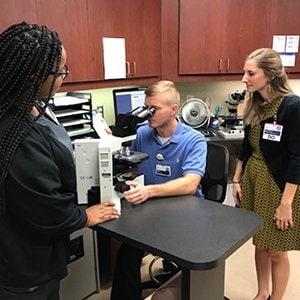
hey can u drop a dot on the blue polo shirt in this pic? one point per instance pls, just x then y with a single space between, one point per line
184 152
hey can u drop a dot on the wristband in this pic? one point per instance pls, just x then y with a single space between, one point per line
236 182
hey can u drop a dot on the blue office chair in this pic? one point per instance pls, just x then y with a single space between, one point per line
214 187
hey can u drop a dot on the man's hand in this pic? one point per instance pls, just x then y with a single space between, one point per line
100 213
137 194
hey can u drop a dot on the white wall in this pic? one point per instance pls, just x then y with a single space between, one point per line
216 91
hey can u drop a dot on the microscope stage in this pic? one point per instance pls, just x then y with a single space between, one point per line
231 133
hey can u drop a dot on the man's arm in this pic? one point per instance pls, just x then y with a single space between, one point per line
186 185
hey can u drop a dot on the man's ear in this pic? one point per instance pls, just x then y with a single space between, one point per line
175 109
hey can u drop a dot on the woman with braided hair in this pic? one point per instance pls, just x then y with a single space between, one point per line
38 207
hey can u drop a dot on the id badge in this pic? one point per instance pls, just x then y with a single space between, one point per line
272 132
163 170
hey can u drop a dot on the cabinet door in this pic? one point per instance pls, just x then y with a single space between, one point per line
10 15
142 24
201 36
101 23
216 35
138 22
69 18
246 28
285 21
81 25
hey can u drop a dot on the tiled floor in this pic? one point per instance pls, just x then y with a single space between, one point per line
105 293
240 279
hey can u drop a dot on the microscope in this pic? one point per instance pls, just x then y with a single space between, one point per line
126 124
232 124
104 165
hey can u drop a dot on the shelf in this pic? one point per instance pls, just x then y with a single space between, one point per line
74 112
75 122
83 131
70 112
68 100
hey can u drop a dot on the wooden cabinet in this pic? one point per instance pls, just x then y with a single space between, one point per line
285 21
179 40
81 25
138 22
70 19
12 12
246 28
200 37
143 37
216 35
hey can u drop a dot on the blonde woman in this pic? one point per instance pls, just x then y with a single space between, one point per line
267 174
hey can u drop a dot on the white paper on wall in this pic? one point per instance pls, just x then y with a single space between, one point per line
114 58
288 59
279 43
292 44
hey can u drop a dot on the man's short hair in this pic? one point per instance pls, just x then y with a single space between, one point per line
167 87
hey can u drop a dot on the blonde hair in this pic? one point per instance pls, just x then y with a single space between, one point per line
164 87
270 62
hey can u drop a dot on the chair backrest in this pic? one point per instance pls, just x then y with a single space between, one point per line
214 182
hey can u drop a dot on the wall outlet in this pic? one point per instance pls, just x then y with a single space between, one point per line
100 109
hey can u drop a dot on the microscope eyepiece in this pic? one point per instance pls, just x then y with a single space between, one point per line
126 124
137 110
146 113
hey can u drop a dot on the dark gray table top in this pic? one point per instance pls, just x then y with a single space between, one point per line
194 233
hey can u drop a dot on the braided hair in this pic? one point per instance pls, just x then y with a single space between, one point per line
28 53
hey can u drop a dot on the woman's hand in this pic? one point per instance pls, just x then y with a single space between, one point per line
237 192
100 213
283 216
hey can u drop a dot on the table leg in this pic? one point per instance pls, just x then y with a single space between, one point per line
203 285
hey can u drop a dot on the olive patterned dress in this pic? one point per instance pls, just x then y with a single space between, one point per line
261 194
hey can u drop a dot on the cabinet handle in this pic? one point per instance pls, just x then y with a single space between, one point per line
220 64
228 65
134 68
127 68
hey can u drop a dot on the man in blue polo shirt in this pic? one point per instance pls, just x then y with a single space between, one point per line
176 164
